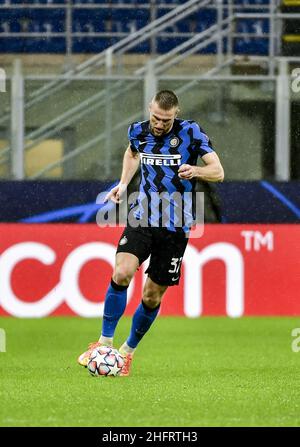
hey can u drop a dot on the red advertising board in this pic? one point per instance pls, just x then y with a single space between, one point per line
233 270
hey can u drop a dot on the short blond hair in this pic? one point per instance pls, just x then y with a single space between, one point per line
166 99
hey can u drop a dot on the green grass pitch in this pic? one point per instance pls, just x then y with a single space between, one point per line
211 371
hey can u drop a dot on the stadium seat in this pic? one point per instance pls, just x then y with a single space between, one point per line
255 46
35 2
135 18
253 26
91 45
130 2
252 2
174 2
49 2
11 45
85 2
39 18
84 19
142 48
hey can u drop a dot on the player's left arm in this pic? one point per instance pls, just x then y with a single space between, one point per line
212 171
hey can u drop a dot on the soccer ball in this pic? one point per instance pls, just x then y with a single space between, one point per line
105 361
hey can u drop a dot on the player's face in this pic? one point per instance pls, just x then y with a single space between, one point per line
161 121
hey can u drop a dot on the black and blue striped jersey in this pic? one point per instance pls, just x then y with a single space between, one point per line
160 160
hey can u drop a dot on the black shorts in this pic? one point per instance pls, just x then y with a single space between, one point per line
165 247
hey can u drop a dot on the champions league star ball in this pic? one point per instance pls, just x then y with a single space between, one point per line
105 361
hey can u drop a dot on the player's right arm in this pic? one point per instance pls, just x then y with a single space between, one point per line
131 161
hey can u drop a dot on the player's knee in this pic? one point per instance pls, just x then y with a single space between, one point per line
122 275
152 297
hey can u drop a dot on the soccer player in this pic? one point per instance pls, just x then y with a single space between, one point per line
167 149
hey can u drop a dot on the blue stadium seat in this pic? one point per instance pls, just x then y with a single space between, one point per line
172 28
51 45
210 49
256 46
130 20
89 45
130 2
253 2
142 48
122 14
36 20
162 11
253 26
86 2
34 2
12 45
10 20
195 22
48 2
207 16
165 44
174 2
84 19
55 18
